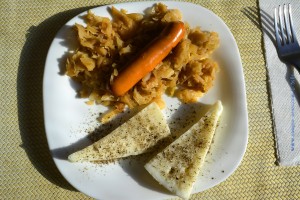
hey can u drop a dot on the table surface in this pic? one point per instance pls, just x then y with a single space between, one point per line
27 170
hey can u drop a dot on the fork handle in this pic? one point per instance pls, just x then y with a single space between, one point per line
296 64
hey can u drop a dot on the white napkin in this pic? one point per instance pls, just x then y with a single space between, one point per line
284 86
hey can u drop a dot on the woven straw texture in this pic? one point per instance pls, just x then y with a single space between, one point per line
27 170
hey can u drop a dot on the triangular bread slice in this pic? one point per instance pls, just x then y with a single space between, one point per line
136 136
178 165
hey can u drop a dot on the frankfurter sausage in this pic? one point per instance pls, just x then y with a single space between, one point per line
148 58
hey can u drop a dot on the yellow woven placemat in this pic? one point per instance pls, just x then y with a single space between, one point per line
27 170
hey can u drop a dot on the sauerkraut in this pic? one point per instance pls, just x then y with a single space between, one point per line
106 45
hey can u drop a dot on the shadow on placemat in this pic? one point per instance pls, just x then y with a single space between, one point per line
263 21
30 97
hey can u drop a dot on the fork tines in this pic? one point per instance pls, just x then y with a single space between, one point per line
284 30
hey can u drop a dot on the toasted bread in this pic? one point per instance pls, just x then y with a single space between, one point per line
136 136
178 165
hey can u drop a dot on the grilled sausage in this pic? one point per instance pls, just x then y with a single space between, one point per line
148 58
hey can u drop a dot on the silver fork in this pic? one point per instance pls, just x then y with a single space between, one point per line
287 44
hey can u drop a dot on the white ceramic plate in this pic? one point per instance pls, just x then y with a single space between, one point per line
67 118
